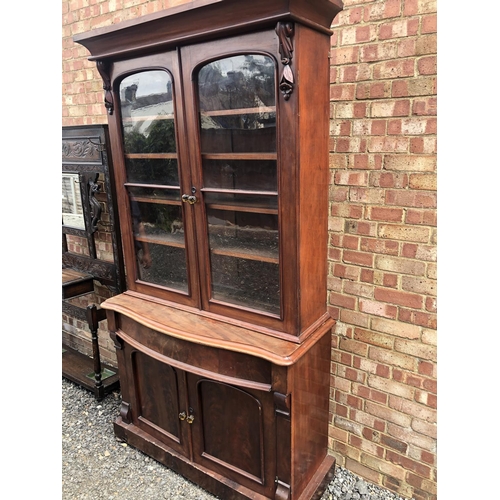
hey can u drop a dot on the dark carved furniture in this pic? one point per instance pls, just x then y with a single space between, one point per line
218 113
86 167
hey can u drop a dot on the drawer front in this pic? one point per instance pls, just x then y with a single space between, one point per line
244 368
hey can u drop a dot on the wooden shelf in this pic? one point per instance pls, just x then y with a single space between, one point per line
80 369
242 208
76 283
258 255
239 111
158 201
151 156
239 156
165 239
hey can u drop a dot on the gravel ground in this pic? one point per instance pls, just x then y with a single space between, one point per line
96 466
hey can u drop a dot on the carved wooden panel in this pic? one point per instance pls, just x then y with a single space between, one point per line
81 150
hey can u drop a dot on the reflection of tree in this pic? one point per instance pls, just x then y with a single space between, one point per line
160 139
160 218
250 84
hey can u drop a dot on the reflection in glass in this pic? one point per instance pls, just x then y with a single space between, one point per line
148 171
240 191
257 175
149 142
159 240
154 195
147 113
168 267
250 283
242 203
72 209
245 81
237 105
253 235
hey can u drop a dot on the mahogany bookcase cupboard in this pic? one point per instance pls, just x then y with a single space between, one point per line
219 122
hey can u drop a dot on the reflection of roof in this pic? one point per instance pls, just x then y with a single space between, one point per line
151 100
208 122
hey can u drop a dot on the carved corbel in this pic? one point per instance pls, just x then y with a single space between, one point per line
118 341
285 33
103 68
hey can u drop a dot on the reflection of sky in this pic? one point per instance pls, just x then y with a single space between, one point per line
155 82
148 83
236 63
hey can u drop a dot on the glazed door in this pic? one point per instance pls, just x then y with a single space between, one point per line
234 432
154 178
231 105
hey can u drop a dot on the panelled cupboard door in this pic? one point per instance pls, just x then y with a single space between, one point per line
234 432
203 182
154 178
158 401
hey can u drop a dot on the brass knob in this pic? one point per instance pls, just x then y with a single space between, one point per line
182 415
191 199
190 419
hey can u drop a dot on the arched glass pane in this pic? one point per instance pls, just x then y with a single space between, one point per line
148 125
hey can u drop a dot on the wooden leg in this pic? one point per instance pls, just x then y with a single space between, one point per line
93 322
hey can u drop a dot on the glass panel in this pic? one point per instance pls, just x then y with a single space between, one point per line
245 81
159 237
252 235
242 203
155 195
147 171
257 175
237 105
147 112
168 267
246 282
224 138
72 209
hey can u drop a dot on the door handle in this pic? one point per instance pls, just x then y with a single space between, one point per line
188 418
191 199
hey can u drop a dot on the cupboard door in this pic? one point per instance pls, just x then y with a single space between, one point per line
159 400
154 180
233 432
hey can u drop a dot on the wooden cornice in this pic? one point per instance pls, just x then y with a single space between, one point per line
186 23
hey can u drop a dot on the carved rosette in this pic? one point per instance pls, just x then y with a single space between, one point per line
285 33
103 68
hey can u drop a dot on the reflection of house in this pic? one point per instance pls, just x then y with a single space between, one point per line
149 106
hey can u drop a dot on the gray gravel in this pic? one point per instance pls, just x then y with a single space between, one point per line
97 466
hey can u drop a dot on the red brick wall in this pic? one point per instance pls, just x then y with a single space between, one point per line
382 226
382 253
